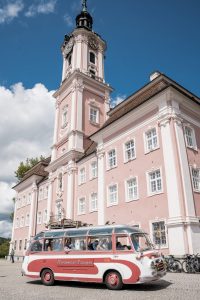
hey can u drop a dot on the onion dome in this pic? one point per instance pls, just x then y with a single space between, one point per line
84 19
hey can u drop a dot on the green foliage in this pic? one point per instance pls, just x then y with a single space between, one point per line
24 167
4 247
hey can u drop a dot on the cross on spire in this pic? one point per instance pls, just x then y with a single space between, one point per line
84 5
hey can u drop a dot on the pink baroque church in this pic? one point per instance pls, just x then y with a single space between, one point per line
137 163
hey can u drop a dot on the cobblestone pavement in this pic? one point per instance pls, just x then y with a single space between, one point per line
172 286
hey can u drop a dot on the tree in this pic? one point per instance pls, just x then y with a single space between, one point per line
24 167
4 247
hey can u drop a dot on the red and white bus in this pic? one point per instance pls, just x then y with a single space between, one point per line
112 254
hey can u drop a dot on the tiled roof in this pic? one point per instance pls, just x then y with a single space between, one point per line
38 169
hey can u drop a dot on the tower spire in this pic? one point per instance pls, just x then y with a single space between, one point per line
84 5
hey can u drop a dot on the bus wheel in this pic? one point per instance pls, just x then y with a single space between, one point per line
113 280
47 277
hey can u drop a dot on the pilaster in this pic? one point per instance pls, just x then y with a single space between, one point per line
101 185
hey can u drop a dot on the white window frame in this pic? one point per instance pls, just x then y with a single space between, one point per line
22 221
109 166
92 200
27 220
126 189
81 212
39 218
147 148
41 192
82 177
149 191
197 179
126 159
45 216
17 223
96 109
109 203
28 198
64 117
160 246
192 137
93 174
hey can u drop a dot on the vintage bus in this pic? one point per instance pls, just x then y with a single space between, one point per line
112 254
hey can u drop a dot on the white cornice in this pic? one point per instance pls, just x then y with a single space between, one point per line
27 183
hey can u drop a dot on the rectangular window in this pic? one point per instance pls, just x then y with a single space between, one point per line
155 182
22 222
112 194
27 220
82 176
24 200
129 150
131 189
25 244
196 179
112 159
81 206
39 218
46 192
64 116
17 223
93 203
29 198
190 137
159 233
93 169
45 216
94 115
151 140
20 245
40 193
15 245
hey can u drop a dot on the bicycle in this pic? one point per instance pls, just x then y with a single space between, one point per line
172 264
191 263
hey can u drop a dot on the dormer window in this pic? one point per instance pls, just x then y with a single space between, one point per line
92 57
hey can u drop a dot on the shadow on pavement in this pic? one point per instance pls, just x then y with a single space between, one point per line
153 286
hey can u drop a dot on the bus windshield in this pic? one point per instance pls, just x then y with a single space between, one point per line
141 242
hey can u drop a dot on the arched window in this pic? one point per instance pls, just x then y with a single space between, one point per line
69 58
92 57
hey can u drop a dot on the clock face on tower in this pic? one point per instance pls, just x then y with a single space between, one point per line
68 47
93 44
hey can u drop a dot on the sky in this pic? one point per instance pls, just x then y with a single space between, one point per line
142 36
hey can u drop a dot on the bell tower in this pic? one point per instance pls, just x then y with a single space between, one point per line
82 103
83 49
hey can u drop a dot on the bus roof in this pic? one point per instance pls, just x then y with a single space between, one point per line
91 231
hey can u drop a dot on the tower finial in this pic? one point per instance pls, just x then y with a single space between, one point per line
84 5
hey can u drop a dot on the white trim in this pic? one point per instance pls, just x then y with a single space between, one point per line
193 137
107 159
124 150
108 195
146 149
90 202
80 182
158 220
91 175
196 169
95 108
149 192
126 191
78 210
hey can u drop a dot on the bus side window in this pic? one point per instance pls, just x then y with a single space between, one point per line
123 243
36 246
57 244
48 245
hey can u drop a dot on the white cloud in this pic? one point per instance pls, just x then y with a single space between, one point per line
26 125
117 100
11 11
6 195
26 130
43 7
68 20
5 229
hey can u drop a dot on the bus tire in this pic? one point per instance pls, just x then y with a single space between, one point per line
113 280
47 277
